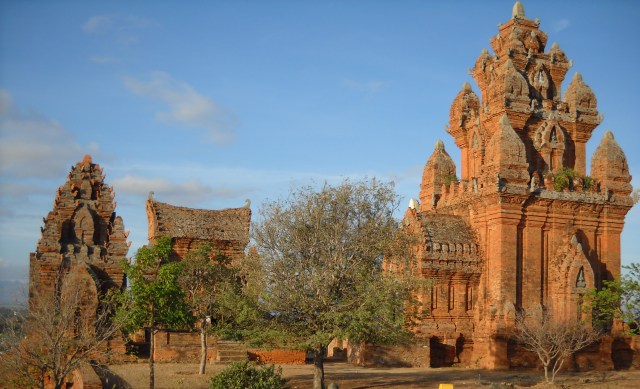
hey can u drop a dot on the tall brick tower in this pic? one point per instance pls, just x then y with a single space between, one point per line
524 227
83 236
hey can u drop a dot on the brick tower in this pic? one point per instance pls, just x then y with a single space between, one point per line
82 236
524 227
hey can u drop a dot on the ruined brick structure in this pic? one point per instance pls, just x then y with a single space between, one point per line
516 232
226 229
82 236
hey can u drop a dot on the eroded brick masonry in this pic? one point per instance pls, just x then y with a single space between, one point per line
515 232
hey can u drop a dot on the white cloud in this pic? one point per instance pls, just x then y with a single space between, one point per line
560 25
188 192
366 87
102 59
19 189
34 146
124 28
186 106
97 23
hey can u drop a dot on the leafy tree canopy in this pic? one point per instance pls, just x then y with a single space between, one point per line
619 299
323 254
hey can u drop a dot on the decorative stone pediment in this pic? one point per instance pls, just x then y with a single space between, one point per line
549 140
571 269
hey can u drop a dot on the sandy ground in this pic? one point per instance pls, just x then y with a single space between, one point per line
174 375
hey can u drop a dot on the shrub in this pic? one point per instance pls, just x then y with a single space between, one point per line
244 375
588 182
563 178
447 179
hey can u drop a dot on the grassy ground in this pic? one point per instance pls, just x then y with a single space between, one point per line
176 376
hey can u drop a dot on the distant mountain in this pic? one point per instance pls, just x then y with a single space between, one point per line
13 293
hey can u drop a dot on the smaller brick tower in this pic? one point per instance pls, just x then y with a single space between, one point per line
83 236
226 229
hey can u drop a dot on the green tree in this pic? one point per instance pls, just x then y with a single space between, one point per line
157 299
206 279
323 254
617 300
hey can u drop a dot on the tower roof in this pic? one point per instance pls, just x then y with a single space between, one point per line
230 224
579 95
609 165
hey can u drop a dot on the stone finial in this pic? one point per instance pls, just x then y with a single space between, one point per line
518 10
579 96
439 167
555 46
87 159
609 166
466 87
506 155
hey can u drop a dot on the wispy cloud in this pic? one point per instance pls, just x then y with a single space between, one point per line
97 23
103 59
366 87
186 106
33 146
560 25
188 192
125 28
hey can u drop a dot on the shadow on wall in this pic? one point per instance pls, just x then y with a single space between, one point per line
625 352
442 355
110 379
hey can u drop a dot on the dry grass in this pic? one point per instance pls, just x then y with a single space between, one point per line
176 375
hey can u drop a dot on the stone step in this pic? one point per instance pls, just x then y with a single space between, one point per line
231 351
228 356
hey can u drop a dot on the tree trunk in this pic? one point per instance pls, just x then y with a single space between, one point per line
203 346
318 368
152 349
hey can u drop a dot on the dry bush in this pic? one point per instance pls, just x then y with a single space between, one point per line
553 339
56 336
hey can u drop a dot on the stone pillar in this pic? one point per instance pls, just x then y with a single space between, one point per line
532 263
464 166
580 161
610 246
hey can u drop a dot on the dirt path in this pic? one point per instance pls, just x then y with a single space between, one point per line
175 376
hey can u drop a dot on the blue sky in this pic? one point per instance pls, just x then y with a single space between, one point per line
210 103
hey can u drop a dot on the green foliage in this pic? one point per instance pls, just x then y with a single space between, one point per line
618 299
588 182
216 289
157 299
323 253
447 179
244 375
563 178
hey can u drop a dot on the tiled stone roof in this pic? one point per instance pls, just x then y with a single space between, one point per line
208 225
442 228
